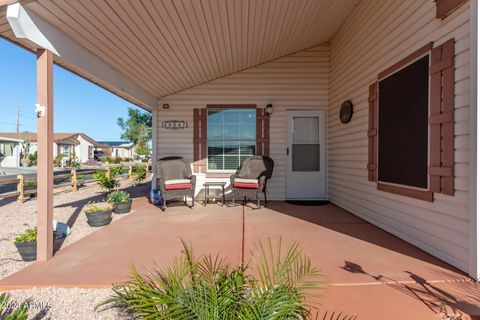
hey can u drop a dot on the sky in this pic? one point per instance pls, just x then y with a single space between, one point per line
79 106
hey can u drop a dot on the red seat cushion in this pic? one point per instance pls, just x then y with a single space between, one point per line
178 186
244 185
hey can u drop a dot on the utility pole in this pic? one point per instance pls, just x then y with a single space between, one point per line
18 120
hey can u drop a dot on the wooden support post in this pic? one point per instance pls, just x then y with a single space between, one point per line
108 172
130 172
146 171
20 185
45 155
73 178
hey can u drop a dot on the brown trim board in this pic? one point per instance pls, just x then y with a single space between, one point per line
408 59
417 194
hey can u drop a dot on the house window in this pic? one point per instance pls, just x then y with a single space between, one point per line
231 137
6 149
403 132
65 149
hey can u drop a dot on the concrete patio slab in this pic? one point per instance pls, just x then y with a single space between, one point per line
148 235
370 273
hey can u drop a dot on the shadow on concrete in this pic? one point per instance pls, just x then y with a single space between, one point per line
336 219
432 295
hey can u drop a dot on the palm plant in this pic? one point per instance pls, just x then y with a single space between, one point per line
272 285
12 311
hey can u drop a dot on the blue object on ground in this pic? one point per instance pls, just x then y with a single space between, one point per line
156 197
61 229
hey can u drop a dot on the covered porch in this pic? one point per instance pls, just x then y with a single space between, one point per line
370 273
293 65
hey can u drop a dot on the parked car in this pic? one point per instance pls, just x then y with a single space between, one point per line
98 155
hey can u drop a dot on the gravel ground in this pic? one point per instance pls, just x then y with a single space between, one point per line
67 304
72 303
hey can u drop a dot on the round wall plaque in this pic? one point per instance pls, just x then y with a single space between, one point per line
346 111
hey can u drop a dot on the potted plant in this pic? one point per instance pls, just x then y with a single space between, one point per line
26 244
98 214
120 201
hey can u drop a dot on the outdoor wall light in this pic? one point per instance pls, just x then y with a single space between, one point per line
165 106
40 110
269 109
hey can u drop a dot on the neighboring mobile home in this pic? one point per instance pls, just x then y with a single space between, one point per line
10 152
122 149
76 145
370 104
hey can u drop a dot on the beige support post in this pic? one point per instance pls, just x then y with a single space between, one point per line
73 178
108 172
45 155
20 185
130 172
146 171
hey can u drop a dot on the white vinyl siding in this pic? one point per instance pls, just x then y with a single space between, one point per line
298 81
375 36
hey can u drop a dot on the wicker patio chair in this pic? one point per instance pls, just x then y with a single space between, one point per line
251 179
175 179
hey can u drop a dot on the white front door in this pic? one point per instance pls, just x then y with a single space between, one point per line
306 176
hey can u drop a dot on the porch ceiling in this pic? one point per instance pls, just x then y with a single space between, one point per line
170 45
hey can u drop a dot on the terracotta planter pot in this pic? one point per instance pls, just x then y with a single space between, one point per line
123 207
27 250
100 218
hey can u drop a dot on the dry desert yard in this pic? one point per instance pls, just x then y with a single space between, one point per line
60 303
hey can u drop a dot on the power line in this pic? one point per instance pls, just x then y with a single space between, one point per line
74 126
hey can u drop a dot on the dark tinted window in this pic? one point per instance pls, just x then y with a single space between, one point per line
403 126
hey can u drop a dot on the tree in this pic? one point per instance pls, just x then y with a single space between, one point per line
137 127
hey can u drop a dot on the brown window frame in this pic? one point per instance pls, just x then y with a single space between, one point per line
405 190
441 123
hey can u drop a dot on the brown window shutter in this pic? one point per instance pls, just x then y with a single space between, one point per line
445 7
441 120
263 132
259 131
266 134
196 139
372 131
199 140
203 140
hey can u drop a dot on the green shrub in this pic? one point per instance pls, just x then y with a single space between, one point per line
114 160
32 183
28 235
91 208
74 162
116 171
140 173
117 197
33 158
105 181
273 285
20 312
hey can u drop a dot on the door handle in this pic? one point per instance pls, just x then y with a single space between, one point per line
288 151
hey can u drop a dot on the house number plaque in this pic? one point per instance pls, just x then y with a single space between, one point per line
174 124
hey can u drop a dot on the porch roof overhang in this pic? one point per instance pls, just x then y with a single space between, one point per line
145 50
